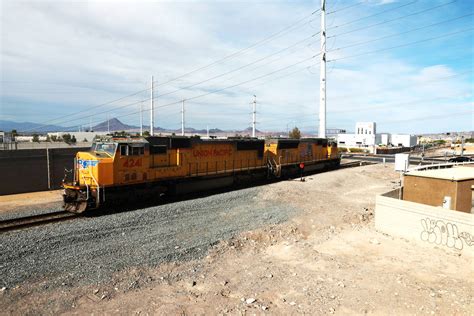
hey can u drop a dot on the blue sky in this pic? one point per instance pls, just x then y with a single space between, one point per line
62 57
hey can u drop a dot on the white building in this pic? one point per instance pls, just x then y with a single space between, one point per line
403 140
80 136
384 139
366 137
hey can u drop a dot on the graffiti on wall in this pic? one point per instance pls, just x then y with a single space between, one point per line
446 234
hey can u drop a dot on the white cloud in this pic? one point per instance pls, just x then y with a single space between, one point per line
66 56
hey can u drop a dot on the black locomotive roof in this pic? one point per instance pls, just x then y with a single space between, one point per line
172 142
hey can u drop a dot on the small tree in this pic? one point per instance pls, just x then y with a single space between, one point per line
85 140
146 133
54 138
73 139
14 133
67 138
36 138
295 133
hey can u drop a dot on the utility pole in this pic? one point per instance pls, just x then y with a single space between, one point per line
152 108
182 119
254 115
141 118
108 124
322 83
90 125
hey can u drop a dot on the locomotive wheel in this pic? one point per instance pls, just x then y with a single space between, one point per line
76 207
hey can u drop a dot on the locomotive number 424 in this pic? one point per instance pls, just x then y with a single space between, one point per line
132 163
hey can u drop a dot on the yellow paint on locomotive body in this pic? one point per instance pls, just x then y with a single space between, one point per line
93 170
134 161
333 152
309 150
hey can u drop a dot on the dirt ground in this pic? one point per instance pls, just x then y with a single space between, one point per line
13 202
327 260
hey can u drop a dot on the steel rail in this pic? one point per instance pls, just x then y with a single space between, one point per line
34 220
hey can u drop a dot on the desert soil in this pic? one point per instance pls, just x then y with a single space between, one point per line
16 202
326 258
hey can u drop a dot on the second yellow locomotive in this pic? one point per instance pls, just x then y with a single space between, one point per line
118 166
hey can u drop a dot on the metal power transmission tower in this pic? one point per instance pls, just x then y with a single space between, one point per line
254 115
152 108
141 118
322 83
182 118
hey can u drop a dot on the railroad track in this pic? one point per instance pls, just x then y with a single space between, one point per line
356 163
35 220
42 219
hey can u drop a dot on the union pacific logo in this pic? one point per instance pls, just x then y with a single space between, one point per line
86 163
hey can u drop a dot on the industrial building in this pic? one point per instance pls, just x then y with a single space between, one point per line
366 137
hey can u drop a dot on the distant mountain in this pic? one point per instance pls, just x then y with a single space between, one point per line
113 124
249 130
7 126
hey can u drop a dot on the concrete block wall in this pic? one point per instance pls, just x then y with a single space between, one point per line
424 223
27 170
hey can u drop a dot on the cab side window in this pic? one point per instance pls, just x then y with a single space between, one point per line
137 151
126 150
123 150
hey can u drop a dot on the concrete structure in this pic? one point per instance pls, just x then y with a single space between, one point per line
384 139
41 138
449 188
35 169
424 223
366 137
80 136
403 140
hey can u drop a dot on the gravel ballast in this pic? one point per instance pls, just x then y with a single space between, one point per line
90 249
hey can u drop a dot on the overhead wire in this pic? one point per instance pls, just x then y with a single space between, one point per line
201 95
390 20
268 38
400 33
403 45
375 14
274 35
345 8
241 67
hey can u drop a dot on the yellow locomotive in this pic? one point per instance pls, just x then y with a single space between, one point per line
121 166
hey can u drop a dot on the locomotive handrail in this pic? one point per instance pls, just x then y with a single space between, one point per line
97 201
87 186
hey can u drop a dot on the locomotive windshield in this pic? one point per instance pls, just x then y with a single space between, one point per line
108 148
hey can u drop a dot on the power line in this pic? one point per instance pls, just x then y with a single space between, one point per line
272 61
345 8
195 97
274 35
376 14
403 45
239 68
47 123
397 34
241 83
391 20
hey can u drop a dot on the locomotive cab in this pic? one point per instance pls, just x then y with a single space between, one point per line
94 171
